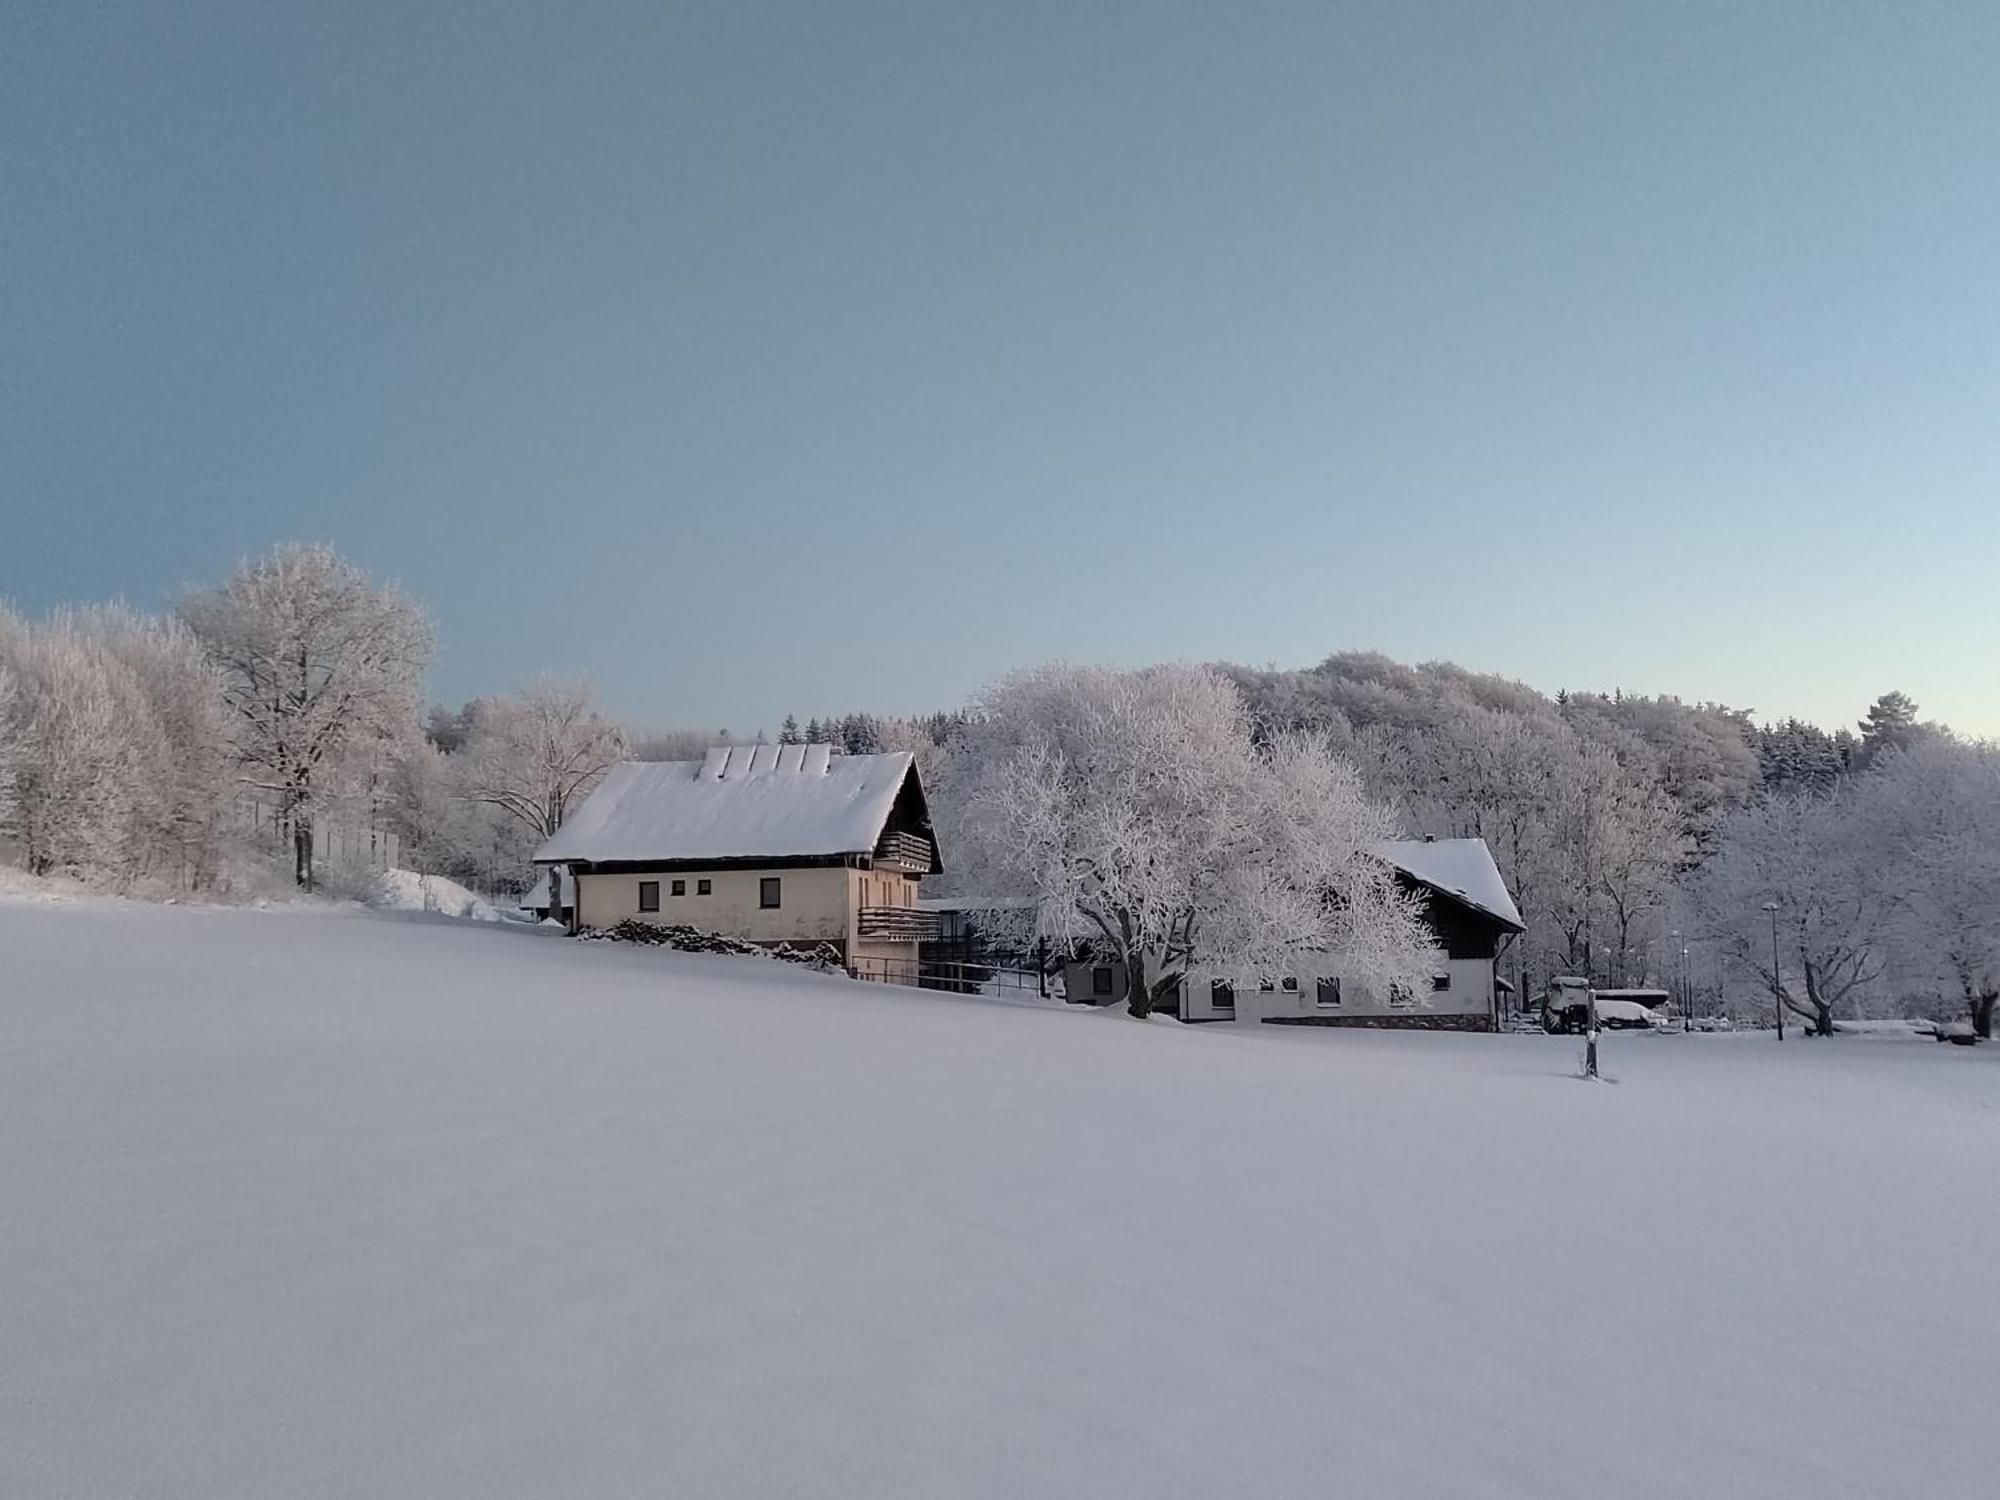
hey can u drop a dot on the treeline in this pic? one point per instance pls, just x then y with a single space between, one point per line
1648 841
1644 837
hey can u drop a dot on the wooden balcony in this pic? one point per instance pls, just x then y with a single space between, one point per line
904 851
897 924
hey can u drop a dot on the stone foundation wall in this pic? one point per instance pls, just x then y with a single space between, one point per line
1415 1022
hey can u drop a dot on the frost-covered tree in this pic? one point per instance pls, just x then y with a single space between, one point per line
672 744
1139 814
13 730
79 719
319 663
180 759
1930 819
1809 856
815 732
788 732
537 755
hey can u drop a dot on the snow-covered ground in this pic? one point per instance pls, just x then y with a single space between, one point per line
363 1204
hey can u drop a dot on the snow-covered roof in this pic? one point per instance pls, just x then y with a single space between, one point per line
1462 868
738 802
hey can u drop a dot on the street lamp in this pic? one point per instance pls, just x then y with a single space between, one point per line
1777 990
1680 985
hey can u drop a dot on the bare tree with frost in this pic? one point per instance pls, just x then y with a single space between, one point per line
76 719
1930 811
537 755
318 663
1806 855
1138 813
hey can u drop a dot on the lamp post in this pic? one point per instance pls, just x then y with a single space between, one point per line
1680 991
1687 989
1777 990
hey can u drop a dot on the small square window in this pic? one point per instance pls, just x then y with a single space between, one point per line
704 887
768 892
1100 980
1329 992
680 888
1221 996
1291 984
1440 981
649 895
1265 986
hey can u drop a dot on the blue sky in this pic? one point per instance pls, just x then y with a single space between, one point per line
767 357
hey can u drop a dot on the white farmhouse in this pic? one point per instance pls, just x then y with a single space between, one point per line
767 843
1471 916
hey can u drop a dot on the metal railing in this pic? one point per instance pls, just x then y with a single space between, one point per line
956 978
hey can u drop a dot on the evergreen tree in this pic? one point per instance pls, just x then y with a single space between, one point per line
815 732
1891 724
788 732
859 735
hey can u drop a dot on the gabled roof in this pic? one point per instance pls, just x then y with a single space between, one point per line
1462 869
738 802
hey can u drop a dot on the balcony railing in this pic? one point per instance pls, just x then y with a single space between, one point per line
904 851
897 924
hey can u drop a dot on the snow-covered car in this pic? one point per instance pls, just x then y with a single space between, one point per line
1959 1033
1613 1014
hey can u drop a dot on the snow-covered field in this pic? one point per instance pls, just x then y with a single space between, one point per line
360 1204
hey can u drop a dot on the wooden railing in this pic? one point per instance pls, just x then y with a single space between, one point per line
898 924
906 851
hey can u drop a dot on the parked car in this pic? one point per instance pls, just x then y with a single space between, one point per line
1570 1012
1958 1033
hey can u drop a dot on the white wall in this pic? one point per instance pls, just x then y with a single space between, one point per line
819 905
1470 994
813 903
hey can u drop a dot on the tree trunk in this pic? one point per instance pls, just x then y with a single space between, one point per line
302 852
1982 1014
1138 994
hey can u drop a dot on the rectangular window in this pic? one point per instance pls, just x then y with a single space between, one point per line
768 891
704 887
649 895
680 888
1329 992
1220 995
1291 984
1100 980
1440 981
